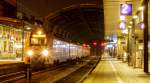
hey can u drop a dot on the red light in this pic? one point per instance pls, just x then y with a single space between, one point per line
101 45
94 43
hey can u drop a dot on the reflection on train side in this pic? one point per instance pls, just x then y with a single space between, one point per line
63 51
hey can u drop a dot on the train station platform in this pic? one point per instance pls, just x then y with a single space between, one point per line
110 70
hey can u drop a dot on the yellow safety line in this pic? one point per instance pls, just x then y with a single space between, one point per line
117 76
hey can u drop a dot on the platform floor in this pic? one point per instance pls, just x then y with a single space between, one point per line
110 70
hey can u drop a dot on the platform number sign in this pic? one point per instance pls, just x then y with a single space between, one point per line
126 9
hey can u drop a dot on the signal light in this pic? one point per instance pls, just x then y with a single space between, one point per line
94 43
101 44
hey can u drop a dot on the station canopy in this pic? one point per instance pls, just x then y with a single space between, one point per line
76 20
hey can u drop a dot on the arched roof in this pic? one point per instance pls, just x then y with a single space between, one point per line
77 20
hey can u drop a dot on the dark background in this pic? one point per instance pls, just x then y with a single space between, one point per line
7 9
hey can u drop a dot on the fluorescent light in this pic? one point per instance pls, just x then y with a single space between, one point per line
28 28
135 17
38 35
39 32
122 17
142 25
141 8
125 31
130 26
131 22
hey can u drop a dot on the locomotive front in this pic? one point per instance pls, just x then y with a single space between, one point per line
38 53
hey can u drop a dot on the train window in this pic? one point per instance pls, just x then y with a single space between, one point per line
38 41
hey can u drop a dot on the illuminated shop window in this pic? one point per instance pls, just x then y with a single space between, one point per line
10 43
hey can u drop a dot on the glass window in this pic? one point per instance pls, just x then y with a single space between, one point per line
10 43
38 41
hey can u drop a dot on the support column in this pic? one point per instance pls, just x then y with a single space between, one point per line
129 46
133 44
145 4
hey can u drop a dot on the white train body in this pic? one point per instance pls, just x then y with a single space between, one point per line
47 50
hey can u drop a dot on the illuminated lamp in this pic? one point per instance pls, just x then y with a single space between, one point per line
131 22
122 25
39 32
28 28
45 52
125 31
30 53
141 8
130 27
102 44
122 17
142 25
135 17
94 43
38 35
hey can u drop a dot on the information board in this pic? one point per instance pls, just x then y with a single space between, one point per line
126 9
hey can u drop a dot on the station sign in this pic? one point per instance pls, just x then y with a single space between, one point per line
122 25
126 9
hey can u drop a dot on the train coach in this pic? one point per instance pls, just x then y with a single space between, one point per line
43 49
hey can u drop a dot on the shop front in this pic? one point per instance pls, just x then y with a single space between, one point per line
11 39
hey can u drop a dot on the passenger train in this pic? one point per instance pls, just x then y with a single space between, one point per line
44 49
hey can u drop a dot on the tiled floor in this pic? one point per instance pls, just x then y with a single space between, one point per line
113 71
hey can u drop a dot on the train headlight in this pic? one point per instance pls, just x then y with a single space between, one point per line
30 52
45 52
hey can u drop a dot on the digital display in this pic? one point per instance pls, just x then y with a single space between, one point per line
126 9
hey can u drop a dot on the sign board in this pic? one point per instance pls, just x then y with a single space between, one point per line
126 9
122 25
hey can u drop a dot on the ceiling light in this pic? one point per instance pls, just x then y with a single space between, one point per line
39 32
131 22
135 17
130 26
142 25
141 8
122 17
28 28
125 31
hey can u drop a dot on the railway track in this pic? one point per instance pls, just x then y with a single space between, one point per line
79 75
21 75
13 71
16 71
